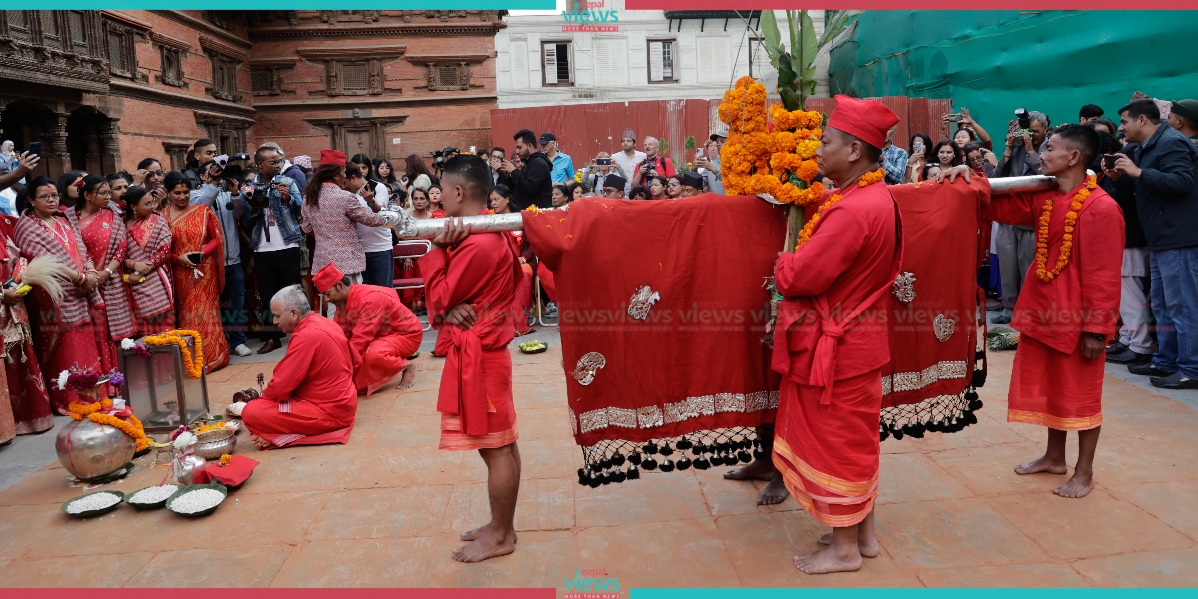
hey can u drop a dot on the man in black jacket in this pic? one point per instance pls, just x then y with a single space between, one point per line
531 183
1165 170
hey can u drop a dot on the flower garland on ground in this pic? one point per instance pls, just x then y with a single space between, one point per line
866 179
132 427
1075 206
755 160
195 367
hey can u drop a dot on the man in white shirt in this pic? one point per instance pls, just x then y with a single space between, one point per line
627 158
275 236
376 241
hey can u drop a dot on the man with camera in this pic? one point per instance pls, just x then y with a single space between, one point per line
708 164
274 233
1016 245
531 183
498 176
653 165
220 190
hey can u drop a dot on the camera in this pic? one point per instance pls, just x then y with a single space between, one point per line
1025 122
603 161
221 161
438 157
241 156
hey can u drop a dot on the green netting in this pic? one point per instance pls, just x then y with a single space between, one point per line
992 62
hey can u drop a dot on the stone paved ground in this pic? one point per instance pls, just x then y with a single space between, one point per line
385 509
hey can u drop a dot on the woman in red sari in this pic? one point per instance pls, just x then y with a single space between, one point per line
70 331
27 394
101 224
197 247
149 250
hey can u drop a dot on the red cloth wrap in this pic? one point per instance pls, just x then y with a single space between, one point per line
237 472
697 362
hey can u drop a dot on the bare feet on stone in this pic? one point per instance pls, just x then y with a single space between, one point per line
775 492
485 547
259 441
828 560
755 470
473 534
868 547
1078 486
407 378
1043 464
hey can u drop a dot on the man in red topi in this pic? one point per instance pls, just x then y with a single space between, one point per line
831 342
311 398
382 332
470 286
1070 306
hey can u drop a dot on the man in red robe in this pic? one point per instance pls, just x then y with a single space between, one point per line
831 339
383 333
311 399
1070 306
470 286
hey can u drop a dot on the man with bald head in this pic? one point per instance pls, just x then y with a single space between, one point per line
830 341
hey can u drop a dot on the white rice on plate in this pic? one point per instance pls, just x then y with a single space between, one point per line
197 501
152 494
95 501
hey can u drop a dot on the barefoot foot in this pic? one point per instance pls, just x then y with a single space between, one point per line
473 534
867 547
1043 464
1077 486
485 547
826 561
407 379
259 441
775 492
755 470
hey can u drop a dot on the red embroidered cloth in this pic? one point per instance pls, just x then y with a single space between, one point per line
696 360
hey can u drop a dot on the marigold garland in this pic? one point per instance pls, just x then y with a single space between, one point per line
133 427
195 368
1075 207
866 179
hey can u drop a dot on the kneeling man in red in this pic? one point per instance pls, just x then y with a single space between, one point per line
1069 307
311 398
470 287
382 331
831 339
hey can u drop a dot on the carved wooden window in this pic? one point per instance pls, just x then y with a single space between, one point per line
49 22
78 33
354 78
122 59
260 81
172 65
18 24
224 77
445 77
220 18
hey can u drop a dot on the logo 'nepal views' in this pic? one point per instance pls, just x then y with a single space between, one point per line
584 15
590 584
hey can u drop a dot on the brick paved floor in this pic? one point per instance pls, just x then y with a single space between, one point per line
386 509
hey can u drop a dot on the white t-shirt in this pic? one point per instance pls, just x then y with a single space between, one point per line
275 242
375 239
627 166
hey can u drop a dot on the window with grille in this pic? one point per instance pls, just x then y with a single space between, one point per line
116 52
354 77
224 77
447 76
49 23
260 81
662 54
558 63
78 33
18 24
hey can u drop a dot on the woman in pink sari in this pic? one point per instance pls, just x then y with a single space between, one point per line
101 225
197 248
27 395
149 250
70 331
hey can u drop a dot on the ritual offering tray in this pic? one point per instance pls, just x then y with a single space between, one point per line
194 501
216 442
151 498
93 504
534 347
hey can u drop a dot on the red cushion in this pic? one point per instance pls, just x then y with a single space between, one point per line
407 283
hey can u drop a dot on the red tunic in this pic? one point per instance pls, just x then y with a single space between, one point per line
382 334
475 399
311 397
826 436
1051 383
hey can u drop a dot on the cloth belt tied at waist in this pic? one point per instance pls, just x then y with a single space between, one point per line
465 394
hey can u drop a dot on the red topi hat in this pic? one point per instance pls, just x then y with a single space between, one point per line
326 277
332 157
867 120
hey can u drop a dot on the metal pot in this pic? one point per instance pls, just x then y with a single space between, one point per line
89 450
187 464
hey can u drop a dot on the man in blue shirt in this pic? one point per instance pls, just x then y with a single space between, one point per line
563 166
894 159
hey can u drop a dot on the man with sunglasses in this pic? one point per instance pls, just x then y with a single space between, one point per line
563 165
613 187
274 234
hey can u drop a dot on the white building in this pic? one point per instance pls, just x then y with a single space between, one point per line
608 54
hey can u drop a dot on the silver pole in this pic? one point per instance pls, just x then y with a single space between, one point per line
407 227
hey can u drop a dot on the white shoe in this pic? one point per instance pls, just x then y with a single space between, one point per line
242 350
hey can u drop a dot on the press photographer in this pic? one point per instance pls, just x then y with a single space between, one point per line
220 190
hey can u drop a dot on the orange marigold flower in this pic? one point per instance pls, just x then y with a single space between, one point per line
807 170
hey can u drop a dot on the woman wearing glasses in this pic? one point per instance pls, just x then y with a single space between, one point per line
100 224
69 330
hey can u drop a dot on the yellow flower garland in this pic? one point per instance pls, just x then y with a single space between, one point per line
133 427
1075 206
866 179
195 368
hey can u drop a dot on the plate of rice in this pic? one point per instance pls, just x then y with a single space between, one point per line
93 504
197 500
150 498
